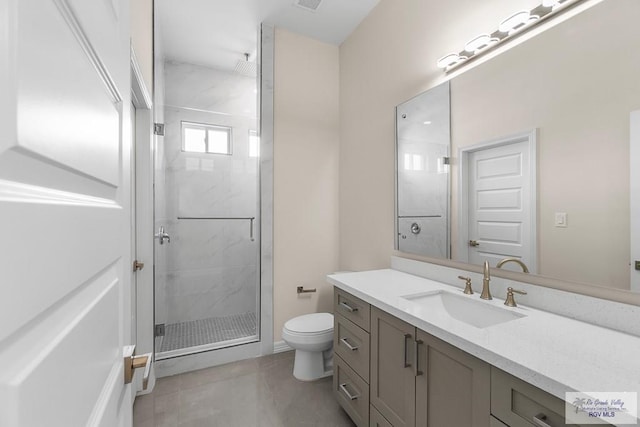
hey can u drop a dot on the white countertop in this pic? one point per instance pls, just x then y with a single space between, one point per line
552 352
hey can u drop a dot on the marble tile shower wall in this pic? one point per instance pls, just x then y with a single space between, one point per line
211 265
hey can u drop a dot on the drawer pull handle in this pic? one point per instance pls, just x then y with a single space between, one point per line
407 337
343 387
540 420
348 307
349 346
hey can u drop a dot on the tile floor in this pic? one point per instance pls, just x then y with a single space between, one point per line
206 331
255 392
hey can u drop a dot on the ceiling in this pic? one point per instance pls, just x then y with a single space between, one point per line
217 33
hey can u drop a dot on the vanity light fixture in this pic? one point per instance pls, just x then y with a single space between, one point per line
508 29
517 22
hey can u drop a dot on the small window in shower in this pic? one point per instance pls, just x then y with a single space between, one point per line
206 138
254 144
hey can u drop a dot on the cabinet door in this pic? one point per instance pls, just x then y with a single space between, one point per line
392 371
452 387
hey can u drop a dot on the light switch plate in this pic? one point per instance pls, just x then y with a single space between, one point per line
561 219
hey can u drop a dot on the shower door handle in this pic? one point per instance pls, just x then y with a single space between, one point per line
161 235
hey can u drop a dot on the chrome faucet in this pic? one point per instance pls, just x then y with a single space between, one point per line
486 277
516 260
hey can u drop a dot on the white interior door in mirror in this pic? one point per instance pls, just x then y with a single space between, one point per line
64 206
500 203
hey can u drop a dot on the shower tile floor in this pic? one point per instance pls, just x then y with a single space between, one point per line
206 331
254 392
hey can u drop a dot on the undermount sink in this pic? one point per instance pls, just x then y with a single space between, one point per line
463 308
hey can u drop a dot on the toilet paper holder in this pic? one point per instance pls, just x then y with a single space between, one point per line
302 290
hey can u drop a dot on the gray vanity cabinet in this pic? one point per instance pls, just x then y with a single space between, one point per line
388 373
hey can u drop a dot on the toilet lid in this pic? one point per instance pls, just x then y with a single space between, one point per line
310 323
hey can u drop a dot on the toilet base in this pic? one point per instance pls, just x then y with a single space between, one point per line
313 365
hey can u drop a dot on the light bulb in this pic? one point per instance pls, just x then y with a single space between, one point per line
517 22
479 43
450 60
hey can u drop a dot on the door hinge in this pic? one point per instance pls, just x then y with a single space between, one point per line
159 330
446 160
137 265
158 129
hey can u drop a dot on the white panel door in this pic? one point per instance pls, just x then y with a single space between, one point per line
500 205
64 212
634 158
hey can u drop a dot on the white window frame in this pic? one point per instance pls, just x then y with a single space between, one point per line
206 126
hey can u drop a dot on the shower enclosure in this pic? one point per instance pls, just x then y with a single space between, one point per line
207 206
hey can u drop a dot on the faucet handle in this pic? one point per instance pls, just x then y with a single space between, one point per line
510 301
467 285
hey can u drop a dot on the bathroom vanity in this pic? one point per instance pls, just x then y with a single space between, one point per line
410 351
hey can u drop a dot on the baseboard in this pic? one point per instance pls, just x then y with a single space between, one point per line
280 347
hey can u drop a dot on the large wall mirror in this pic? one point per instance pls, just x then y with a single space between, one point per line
566 96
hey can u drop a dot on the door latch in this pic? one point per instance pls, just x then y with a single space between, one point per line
474 243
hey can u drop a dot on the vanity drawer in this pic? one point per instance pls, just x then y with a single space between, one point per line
376 419
351 392
352 344
494 422
516 403
351 308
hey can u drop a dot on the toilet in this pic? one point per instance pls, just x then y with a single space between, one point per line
311 336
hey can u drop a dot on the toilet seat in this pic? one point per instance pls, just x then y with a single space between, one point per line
310 324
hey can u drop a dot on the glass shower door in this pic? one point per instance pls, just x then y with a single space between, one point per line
206 187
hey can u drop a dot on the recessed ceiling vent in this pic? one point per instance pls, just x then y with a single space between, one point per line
310 5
